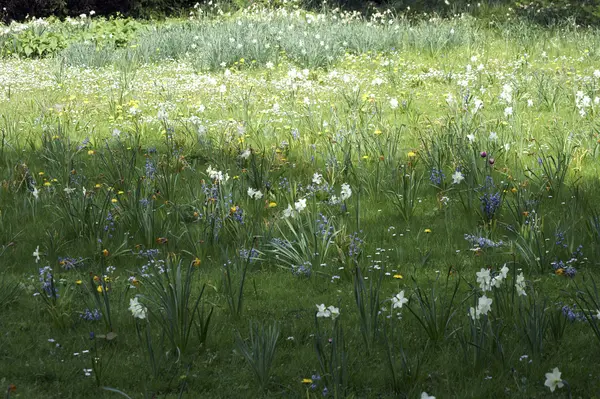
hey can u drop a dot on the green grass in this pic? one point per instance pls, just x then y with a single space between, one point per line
104 157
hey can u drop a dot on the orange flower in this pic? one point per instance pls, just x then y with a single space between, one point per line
196 262
162 240
560 271
105 252
12 388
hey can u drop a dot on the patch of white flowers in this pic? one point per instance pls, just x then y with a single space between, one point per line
255 194
216 175
326 312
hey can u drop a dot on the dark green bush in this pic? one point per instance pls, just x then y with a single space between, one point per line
547 12
19 9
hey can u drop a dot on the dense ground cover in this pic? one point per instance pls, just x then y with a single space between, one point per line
283 203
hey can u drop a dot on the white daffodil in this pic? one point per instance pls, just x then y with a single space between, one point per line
137 309
333 311
346 192
317 178
399 300
36 254
484 305
255 194
300 205
322 311
245 154
288 212
553 380
520 285
457 177
484 279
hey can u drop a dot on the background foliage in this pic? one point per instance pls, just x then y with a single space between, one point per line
585 12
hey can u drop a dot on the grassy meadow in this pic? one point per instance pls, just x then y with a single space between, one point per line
283 203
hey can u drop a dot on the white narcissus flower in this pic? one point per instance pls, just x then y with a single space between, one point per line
597 316
333 311
36 254
346 192
317 178
393 103
457 177
256 194
35 192
508 111
399 300
553 380
300 205
137 309
520 285
484 305
288 212
245 154
484 279
425 395
322 311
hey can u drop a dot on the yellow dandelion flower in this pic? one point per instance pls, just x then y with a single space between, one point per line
398 276
427 231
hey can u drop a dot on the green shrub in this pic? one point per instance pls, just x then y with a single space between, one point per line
583 12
